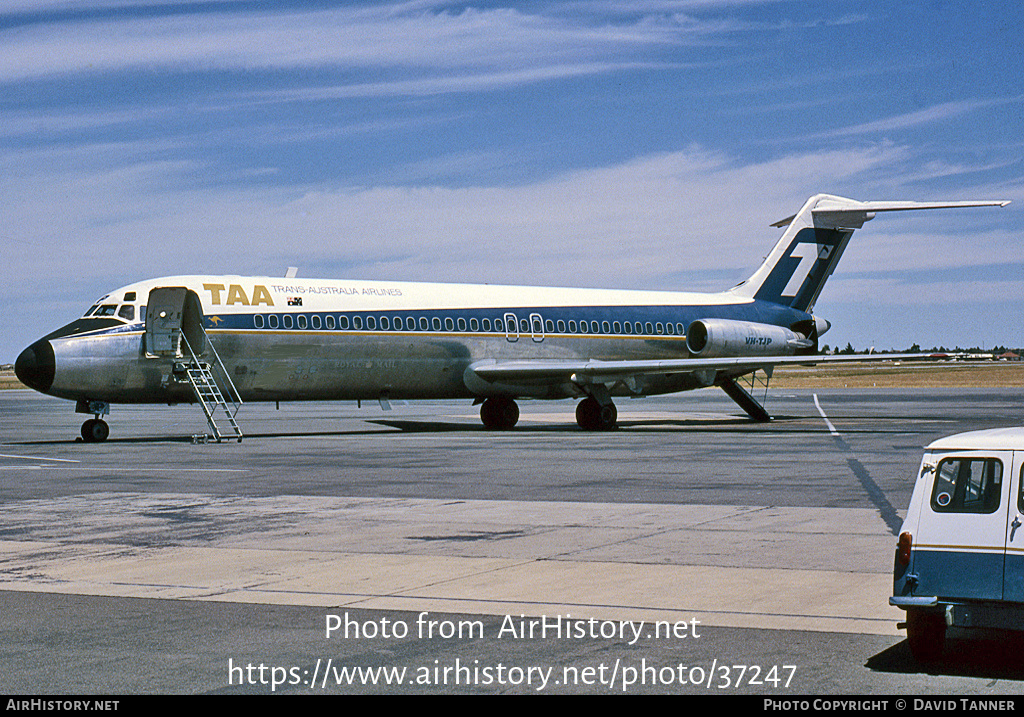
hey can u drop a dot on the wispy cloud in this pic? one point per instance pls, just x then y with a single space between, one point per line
929 115
487 40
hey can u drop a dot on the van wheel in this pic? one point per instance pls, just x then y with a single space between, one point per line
926 633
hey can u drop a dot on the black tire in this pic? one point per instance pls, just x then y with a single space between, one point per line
95 430
926 634
499 413
592 416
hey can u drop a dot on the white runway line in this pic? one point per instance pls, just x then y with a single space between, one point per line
831 428
39 458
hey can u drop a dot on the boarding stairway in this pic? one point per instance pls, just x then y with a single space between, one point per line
216 403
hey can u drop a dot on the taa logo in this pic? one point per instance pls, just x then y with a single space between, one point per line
236 295
808 254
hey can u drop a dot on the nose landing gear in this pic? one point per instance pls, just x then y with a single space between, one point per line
95 430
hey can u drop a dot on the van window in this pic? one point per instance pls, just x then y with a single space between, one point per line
967 485
1020 495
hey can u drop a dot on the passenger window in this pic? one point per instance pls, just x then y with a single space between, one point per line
967 485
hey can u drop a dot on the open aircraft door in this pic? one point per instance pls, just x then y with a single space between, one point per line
174 312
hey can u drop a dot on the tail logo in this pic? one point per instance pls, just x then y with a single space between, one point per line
807 258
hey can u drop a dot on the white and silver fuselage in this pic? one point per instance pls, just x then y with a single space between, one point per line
291 339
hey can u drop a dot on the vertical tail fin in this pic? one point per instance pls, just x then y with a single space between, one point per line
795 271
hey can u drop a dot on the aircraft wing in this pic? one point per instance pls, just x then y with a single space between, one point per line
596 371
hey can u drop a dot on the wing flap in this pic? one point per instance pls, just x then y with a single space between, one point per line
589 370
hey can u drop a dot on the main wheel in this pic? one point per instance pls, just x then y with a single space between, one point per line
95 430
926 634
592 416
500 413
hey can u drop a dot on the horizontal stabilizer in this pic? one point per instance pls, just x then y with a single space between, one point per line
853 210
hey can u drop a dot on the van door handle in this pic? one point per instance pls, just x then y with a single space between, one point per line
1013 526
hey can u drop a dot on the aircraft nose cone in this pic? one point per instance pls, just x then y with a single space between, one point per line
35 366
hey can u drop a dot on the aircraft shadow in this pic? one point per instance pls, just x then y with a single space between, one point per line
659 425
650 425
995 655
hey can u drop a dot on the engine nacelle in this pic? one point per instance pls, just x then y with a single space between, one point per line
713 338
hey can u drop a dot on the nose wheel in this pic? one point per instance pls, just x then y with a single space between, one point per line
95 430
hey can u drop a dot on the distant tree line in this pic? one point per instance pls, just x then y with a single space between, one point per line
916 349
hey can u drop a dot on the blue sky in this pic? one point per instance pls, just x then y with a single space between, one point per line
608 143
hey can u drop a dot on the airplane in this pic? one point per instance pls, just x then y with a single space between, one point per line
222 340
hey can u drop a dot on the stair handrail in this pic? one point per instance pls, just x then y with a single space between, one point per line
232 394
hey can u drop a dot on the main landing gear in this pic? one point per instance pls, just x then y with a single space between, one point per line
502 413
592 415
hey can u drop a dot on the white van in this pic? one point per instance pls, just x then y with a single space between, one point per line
960 553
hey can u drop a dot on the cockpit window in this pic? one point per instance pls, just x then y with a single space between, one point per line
106 310
127 312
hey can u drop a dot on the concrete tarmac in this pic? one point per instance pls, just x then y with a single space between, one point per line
541 559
